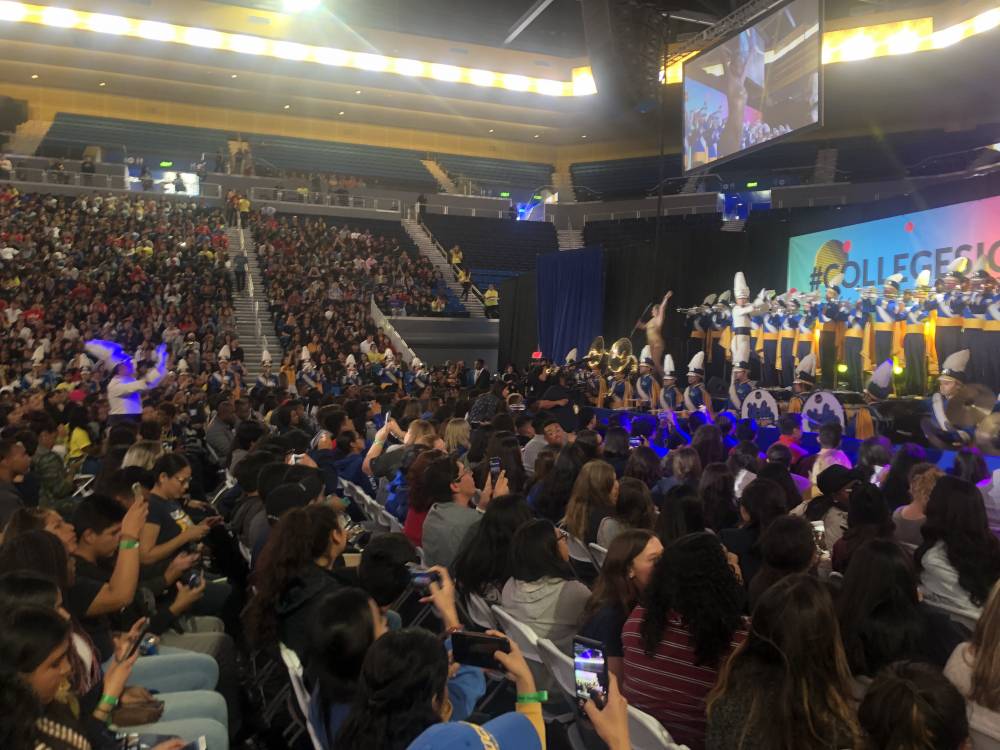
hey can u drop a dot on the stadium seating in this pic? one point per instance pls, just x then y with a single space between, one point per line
621 178
499 174
494 249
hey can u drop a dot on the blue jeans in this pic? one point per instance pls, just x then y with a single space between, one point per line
174 670
190 715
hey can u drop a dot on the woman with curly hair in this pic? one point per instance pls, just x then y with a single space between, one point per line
959 558
787 685
294 572
675 642
909 519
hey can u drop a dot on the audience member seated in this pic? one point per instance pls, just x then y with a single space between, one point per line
973 669
676 641
760 504
626 573
970 465
912 705
716 488
593 499
503 446
483 564
896 484
632 510
685 468
402 692
681 513
417 501
794 650
297 567
553 495
959 558
778 463
835 484
829 436
881 616
786 548
867 518
543 592
643 464
451 488
909 518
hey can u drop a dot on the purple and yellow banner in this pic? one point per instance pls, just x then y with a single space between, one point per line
867 253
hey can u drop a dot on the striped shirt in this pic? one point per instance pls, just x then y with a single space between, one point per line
668 685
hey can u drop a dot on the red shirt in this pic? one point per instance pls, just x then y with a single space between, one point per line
413 527
669 685
797 450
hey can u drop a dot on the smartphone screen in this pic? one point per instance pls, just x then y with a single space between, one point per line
135 644
494 469
477 649
635 442
420 577
199 744
590 670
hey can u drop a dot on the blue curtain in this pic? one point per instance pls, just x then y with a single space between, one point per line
570 301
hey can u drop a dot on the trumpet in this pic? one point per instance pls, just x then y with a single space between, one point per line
696 310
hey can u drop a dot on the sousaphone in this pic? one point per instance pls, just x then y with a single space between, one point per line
621 361
596 353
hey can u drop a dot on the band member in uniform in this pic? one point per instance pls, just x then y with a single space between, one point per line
803 384
701 322
721 320
949 301
770 333
696 396
830 316
786 338
741 313
914 343
804 334
854 338
124 390
671 396
420 378
619 391
740 386
953 375
880 384
885 312
266 379
646 391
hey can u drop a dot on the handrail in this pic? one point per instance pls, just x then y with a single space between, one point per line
444 253
382 321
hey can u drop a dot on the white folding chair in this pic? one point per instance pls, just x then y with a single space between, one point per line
598 553
646 733
560 665
481 613
520 633
578 550
302 697
390 521
83 484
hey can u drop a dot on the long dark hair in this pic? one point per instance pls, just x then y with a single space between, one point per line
718 497
504 445
877 608
614 587
483 562
956 516
868 518
615 443
403 674
708 443
764 501
301 536
694 580
341 633
793 648
558 483
38 551
635 504
681 513
643 464
969 465
534 553
897 482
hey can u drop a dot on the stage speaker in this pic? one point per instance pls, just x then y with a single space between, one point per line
623 41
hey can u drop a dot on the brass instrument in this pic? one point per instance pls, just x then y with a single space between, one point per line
596 353
621 361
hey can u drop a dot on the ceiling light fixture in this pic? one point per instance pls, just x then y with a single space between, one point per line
287 106
102 84
234 76
34 76
341 113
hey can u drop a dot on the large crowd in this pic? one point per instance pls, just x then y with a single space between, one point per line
165 573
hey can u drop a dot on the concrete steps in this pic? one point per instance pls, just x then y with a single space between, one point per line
28 136
254 325
429 249
440 175
570 239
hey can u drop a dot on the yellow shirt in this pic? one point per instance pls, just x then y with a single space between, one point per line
491 298
79 441
244 205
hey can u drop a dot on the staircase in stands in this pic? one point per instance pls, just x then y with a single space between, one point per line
28 136
254 326
562 181
440 175
570 239
431 249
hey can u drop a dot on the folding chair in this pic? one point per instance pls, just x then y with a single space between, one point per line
598 553
578 550
389 521
480 612
302 697
646 733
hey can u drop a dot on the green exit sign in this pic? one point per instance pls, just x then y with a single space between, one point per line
752 184
505 194
166 164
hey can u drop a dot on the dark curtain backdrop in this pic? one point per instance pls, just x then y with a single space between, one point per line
518 321
695 262
570 300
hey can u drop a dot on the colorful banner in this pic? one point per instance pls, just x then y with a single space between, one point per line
867 253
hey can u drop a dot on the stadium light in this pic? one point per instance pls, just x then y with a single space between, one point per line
203 38
64 18
157 32
247 45
331 56
106 24
373 63
12 11
407 67
445 73
290 50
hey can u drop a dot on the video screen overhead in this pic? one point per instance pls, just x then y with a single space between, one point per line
756 86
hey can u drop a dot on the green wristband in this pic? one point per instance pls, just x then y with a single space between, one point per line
540 697
128 544
108 700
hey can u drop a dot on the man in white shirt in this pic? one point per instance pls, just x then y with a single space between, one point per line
124 391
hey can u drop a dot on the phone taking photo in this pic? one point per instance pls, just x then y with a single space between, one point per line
477 649
590 671
494 470
421 577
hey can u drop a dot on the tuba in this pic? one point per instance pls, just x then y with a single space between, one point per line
596 353
621 361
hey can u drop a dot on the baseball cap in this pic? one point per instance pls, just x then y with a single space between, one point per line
510 731
284 497
834 478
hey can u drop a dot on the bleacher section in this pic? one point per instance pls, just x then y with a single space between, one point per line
495 249
622 233
621 178
496 174
184 146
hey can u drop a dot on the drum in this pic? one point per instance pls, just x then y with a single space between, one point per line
822 407
761 406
